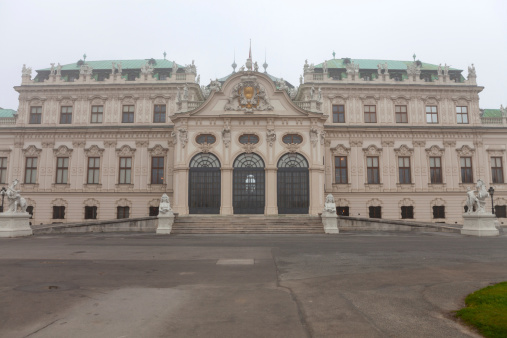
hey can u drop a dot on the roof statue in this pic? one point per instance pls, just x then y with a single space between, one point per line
113 67
324 66
85 70
215 85
471 71
446 69
192 69
256 67
386 68
198 80
26 71
59 69
439 70
52 72
413 70
305 67
379 69
147 69
175 67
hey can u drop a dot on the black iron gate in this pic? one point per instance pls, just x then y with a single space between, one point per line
204 185
293 185
248 194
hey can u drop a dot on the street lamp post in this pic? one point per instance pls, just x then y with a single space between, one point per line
3 196
491 191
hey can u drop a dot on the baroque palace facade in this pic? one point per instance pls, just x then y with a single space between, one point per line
390 139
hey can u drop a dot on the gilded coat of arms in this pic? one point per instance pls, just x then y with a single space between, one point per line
248 95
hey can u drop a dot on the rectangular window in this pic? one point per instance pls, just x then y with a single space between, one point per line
431 114
93 170
90 212
31 170
439 211
372 170
29 209
342 211
401 114
122 212
407 212
436 170
128 114
125 170
159 113
462 115
375 212
35 115
466 170
97 113
66 115
3 169
370 114
153 211
58 212
340 169
404 170
157 170
62 170
501 211
496 170
338 113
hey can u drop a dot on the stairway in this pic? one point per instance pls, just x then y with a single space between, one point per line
248 224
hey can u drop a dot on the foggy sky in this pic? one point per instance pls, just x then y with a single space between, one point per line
459 33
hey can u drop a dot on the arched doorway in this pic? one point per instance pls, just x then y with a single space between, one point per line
248 194
293 184
204 184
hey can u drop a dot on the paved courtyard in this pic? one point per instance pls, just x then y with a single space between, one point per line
143 285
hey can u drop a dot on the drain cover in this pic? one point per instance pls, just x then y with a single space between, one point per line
47 287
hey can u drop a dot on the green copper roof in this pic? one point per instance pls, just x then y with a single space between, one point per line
372 64
492 113
7 112
125 64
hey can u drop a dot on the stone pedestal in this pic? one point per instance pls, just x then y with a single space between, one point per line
479 225
165 223
330 222
15 225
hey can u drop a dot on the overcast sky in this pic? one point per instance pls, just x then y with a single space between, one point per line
457 32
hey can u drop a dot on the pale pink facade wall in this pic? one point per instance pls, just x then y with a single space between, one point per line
354 139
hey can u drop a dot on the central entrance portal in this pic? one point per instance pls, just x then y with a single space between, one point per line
293 184
204 184
248 184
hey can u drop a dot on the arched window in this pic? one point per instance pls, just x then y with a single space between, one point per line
204 160
292 161
206 138
292 139
248 161
248 138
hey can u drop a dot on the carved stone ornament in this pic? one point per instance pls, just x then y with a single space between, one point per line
356 143
110 144
249 147
158 150
413 70
62 151
17 204
292 147
340 150
49 144
226 136
32 151
125 151
270 137
404 151
435 151
174 137
94 151
465 151
372 150
314 136
495 152
91 202
79 144
183 137
247 96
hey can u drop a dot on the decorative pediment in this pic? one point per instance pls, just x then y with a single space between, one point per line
465 151
372 150
369 99
123 202
430 100
32 151
404 151
94 151
158 150
91 202
340 149
128 99
59 202
495 151
248 95
374 202
125 151
435 151
406 202
62 151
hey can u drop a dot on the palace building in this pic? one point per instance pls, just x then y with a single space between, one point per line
389 139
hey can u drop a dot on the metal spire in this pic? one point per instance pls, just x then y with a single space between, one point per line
234 65
265 65
334 54
165 54
414 56
84 57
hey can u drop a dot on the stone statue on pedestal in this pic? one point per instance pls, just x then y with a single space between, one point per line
329 216
330 205
15 200
165 216
479 222
164 207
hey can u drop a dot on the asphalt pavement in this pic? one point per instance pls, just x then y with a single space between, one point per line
147 285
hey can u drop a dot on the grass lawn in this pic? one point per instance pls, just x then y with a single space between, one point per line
486 310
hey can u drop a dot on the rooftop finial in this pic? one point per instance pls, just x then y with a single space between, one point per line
165 54
265 65
414 56
234 65
334 55
84 57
